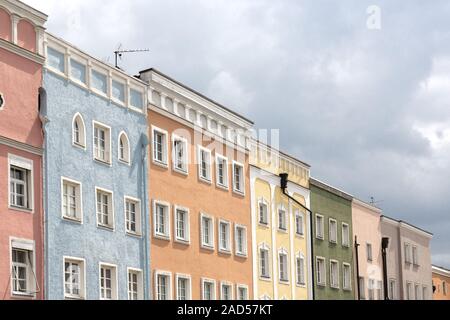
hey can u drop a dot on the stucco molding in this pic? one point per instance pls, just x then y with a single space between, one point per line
21 146
440 271
13 48
25 11
331 189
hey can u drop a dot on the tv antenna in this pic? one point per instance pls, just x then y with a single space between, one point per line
118 53
373 202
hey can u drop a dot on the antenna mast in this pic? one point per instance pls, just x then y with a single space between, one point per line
118 54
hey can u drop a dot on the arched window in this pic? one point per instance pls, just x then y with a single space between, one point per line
124 148
78 131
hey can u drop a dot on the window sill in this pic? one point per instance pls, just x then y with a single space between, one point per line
11 207
322 284
161 236
164 165
73 298
333 242
180 171
69 219
346 245
284 282
105 227
134 234
207 247
78 145
298 235
103 162
23 294
205 180
239 193
319 238
301 285
334 287
265 278
241 254
282 230
347 289
222 186
225 251
127 163
186 242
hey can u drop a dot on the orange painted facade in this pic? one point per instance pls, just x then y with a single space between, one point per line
441 283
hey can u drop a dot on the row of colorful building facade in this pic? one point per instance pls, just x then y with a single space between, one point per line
138 187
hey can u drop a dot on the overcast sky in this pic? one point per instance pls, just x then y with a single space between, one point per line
368 108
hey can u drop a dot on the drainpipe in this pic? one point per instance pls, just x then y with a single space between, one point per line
144 206
283 185
384 246
357 266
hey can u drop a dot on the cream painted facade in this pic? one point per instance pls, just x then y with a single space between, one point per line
265 166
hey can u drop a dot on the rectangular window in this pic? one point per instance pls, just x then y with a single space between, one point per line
299 229
135 287
392 289
133 215
136 99
238 177
161 220
333 230
264 263
224 236
74 278
182 224
407 253
283 267
207 232
23 279
345 235
346 276
208 289
321 273
409 291
163 286
242 292
319 226
415 256
55 60
99 81
369 251
263 214
282 219
204 164
417 291
102 143
105 214
424 293
371 289
240 233
300 268
334 274
183 287
77 71
226 291
362 288
222 171
180 159
108 282
71 199
380 290
159 146
118 91
20 182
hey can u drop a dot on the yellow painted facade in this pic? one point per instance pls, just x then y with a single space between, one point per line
266 165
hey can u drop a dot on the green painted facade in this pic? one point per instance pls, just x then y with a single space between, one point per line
334 204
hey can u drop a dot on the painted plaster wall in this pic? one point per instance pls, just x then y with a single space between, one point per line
5 25
393 257
331 206
86 240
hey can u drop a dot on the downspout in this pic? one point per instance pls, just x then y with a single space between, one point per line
357 267
283 185
144 205
384 246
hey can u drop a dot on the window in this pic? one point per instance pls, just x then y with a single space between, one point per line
207 231
78 131
74 278
415 256
105 211
55 60
380 290
321 273
135 287
23 277
319 226
161 220
133 215
392 289
346 276
118 91
226 291
102 143
283 265
424 293
163 285
263 213
333 230
159 146
369 251
208 289
136 99
182 224
362 288
299 228
409 291
2 101
71 200
264 270
300 269
183 287
108 282
238 177
334 274
221 171
407 253
242 292
417 291
77 71
444 288
99 82
282 219
371 289
180 155
124 148
20 183
240 233
204 164
345 235
224 236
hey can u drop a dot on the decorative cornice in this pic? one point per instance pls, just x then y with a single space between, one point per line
25 11
21 146
330 189
11 47
406 225
441 271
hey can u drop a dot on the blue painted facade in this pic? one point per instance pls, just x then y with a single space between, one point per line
62 159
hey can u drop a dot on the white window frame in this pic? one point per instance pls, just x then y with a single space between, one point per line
408 253
267 223
415 255
346 287
345 239
223 249
241 286
188 289
213 291
185 161
82 131
332 280
392 289
332 221
208 246
82 284
299 215
425 292
166 235
168 274
240 191
127 149
114 281
266 248
321 226
29 246
138 215
140 282
187 233
236 244
112 224
208 178
165 147
222 285
281 207
409 290
108 142
26 165
362 288
78 200
371 289
323 272
417 292
226 169
300 259
283 252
